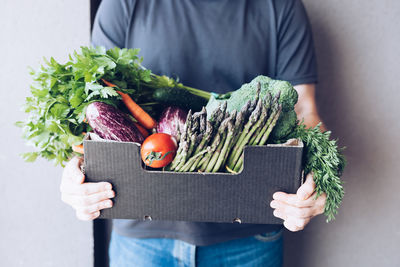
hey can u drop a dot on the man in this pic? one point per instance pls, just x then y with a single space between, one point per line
214 45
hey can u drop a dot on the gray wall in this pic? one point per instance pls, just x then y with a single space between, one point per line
36 228
358 52
358 47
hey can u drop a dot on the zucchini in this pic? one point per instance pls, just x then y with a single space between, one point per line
173 96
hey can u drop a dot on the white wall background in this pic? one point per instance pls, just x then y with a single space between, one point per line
358 47
359 63
36 228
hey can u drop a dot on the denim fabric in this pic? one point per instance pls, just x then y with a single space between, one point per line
260 250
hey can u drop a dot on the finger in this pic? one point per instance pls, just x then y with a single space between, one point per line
293 211
72 171
300 223
306 189
291 223
87 216
294 200
84 189
320 204
291 226
95 207
279 214
83 201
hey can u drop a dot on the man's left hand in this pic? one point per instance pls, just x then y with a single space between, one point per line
296 210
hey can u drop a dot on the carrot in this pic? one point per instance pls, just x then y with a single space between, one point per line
108 83
137 112
141 129
78 149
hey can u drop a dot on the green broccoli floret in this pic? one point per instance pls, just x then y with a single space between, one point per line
248 91
284 126
288 94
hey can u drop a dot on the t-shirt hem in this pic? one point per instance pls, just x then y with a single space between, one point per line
200 239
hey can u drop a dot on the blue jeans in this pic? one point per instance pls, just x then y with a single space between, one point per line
260 250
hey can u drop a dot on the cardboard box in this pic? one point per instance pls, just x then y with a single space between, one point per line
203 197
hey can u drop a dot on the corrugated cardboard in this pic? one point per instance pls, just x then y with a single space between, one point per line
202 197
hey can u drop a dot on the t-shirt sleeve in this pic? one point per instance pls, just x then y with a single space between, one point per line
111 23
296 61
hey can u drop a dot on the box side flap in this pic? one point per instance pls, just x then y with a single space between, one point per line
220 197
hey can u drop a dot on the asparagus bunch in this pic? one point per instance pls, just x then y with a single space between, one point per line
209 146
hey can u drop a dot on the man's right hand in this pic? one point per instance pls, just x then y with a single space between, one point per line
86 198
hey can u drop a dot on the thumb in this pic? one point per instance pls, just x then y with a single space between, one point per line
307 189
73 171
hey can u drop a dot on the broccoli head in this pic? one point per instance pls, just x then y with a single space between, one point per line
288 94
248 92
284 126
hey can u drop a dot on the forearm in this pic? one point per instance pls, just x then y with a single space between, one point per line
306 107
311 120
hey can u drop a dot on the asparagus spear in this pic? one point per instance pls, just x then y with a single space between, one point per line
206 138
203 120
180 158
216 112
257 133
190 162
183 156
195 124
214 157
178 133
223 155
222 133
193 139
239 122
204 162
254 103
239 163
190 142
271 126
192 133
238 146
274 109
257 125
221 115
182 141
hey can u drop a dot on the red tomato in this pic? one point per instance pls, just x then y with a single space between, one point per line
158 150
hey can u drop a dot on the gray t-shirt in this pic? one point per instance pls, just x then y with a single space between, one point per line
214 45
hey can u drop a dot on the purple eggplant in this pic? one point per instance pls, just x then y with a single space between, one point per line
112 124
171 119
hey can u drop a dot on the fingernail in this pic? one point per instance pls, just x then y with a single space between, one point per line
273 204
110 194
108 186
108 204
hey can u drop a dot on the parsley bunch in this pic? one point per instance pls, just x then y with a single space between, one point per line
61 93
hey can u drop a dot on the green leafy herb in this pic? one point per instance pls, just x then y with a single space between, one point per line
60 94
326 161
